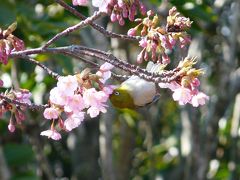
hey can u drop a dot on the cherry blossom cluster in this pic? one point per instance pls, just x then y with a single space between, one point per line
75 94
9 43
17 114
185 88
116 9
157 41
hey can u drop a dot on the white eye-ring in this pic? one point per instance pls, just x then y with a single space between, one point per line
116 93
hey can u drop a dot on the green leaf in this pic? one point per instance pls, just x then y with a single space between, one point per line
18 154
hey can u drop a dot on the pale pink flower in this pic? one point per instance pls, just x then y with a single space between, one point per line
106 67
23 96
75 104
104 72
51 133
104 76
51 113
94 111
80 2
60 97
199 99
74 121
109 89
172 85
101 4
95 100
143 43
92 97
182 95
67 84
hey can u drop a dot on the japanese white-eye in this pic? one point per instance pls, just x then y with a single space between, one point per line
135 92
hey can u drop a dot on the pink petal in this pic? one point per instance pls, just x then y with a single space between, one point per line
53 134
74 121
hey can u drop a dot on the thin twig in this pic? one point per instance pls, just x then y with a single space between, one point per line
49 71
96 26
80 25
29 106
115 76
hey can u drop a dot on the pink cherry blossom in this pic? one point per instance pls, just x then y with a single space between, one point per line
51 113
182 95
51 133
59 97
94 111
143 43
109 89
68 83
75 104
172 85
93 98
104 72
74 121
199 99
106 67
23 96
101 4
80 2
104 76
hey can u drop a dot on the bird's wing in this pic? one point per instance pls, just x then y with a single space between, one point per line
142 91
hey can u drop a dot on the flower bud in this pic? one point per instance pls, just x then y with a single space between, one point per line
113 17
132 32
11 127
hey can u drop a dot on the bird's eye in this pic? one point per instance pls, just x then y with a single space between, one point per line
116 93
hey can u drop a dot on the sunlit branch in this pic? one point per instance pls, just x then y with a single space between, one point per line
96 26
49 71
165 77
80 25
29 106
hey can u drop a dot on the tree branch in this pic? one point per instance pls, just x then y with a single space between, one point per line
80 25
96 26
29 106
49 71
165 77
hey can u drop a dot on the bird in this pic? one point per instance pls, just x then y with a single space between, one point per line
136 92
